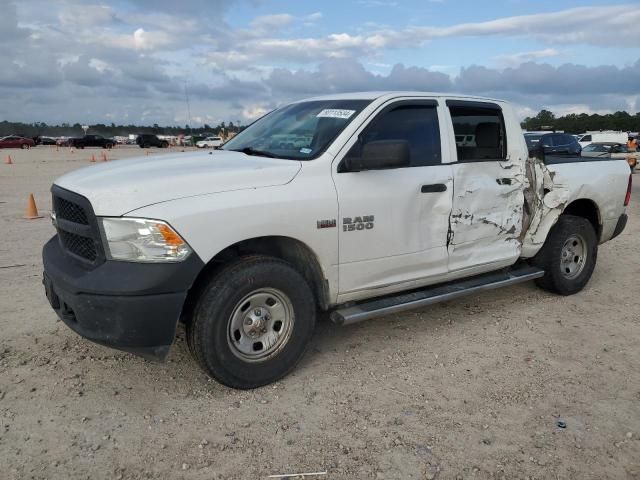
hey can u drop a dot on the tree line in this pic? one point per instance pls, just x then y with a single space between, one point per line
544 120
582 122
36 129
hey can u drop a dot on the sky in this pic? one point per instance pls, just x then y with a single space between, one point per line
206 61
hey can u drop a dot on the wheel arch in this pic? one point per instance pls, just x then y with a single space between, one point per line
588 209
291 250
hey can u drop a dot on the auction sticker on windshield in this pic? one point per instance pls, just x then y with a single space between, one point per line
335 113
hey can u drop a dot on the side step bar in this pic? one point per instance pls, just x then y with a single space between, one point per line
435 294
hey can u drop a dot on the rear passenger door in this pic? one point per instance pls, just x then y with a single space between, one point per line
486 217
393 222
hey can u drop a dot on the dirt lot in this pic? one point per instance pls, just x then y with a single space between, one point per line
468 389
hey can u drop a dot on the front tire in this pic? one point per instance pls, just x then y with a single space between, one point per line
568 257
252 322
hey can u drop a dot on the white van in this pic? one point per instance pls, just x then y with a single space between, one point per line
602 136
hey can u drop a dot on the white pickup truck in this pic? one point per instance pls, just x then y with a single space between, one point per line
371 208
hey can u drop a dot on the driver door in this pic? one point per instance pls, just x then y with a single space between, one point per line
393 222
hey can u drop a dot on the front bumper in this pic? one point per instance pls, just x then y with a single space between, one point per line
133 307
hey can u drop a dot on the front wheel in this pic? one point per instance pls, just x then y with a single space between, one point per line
24 146
252 322
568 256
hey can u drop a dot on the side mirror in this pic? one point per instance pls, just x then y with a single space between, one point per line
381 154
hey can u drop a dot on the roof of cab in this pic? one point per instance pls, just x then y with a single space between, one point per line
394 94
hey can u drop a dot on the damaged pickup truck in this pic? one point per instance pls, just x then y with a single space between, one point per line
381 202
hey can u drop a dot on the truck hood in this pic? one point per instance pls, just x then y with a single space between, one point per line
118 187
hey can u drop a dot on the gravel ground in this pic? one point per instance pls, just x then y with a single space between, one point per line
468 389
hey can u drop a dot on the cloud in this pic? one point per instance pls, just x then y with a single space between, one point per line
584 25
590 25
314 17
131 60
346 75
268 23
536 79
523 57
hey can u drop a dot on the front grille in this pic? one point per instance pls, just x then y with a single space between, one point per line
77 226
77 244
70 211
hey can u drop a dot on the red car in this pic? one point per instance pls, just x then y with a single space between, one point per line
14 141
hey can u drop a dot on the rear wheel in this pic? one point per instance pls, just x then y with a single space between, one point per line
569 256
24 146
252 323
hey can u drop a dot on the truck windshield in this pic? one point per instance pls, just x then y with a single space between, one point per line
300 131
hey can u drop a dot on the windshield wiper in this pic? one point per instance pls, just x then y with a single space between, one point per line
257 153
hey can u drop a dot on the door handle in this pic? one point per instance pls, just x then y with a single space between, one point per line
434 188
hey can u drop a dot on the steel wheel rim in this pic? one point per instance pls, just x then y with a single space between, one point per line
573 256
260 325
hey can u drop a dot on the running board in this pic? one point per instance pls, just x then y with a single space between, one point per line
435 294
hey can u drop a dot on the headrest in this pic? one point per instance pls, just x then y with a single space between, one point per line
488 135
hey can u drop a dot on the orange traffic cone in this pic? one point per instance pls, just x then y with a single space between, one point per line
32 210
104 156
93 158
8 160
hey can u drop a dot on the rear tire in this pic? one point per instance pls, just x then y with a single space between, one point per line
568 256
252 322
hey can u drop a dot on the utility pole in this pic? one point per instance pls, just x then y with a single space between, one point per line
186 96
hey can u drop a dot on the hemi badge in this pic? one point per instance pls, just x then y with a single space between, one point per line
327 223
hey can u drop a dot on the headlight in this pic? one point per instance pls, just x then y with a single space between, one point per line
142 240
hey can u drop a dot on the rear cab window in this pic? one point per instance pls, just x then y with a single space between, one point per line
485 123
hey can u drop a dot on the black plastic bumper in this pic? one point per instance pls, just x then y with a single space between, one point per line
620 226
133 307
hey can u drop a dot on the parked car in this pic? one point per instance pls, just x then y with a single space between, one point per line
147 140
380 212
602 136
14 141
556 144
91 141
45 141
612 150
210 142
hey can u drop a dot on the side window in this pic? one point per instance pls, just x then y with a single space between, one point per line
562 140
586 138
415 124
547 141
487 127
